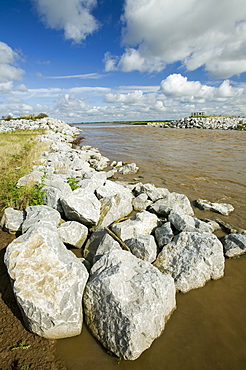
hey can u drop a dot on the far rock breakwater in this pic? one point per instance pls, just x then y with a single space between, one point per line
140 245
212 123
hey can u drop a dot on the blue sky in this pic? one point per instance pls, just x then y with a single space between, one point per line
113 60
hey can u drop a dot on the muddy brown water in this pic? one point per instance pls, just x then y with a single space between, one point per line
207 330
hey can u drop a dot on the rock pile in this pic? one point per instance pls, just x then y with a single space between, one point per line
127 295
212 123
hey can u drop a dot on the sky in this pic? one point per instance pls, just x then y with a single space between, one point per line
122 60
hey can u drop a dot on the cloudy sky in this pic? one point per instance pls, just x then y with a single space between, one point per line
113 60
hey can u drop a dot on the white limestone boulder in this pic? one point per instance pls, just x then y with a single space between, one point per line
127 302
116 202
234 245
143 247
56 187
152 191
12 220
141 202
37 214
183 222
73 233
48 282
128 169
222 208
192 259
143 223
172 202
82 206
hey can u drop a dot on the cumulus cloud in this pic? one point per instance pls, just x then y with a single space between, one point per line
178 86
9 72
72 16
195 33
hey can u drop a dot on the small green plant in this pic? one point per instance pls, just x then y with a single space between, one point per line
24 367
73 183
21 345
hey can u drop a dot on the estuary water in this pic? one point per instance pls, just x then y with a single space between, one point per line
207 330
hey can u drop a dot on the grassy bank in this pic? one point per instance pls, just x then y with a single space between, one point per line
18 152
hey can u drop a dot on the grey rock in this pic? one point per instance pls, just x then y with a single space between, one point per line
234 245
143 223
82 206
143 247
192 259
172 202
37 214
48 283
30 179
127 302
73 233
222 208
12 220
164 234
93 180
183 222
55 188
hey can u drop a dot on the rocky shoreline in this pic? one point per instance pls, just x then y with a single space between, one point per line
208 123
140 245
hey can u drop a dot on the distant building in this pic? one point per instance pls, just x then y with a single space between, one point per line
197 114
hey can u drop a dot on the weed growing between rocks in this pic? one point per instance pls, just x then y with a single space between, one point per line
18 150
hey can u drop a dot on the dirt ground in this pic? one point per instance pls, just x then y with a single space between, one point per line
20 349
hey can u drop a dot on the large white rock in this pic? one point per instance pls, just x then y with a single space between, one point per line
192 259
116 202
12 220
129 169
55 188
73 233
82 206
127 302
37 214
142 223
152 192
172 202
48 283
143 247
141 202
235 245
183 222
222 208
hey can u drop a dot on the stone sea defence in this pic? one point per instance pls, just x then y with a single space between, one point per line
139 244
212 123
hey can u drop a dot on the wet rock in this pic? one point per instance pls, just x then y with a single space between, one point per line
142 223
129 169
48 283
12 220
222 208
164 234
172 202
73 233
192 259
37 214
234 245
127 302
143 247
82 206
188 223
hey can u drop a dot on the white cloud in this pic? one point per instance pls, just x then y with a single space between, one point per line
8 72
178 86
72 16
194 32
89 76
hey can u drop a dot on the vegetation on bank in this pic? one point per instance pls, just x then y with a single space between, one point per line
25 116
19 150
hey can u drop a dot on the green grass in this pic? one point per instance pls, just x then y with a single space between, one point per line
18 151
